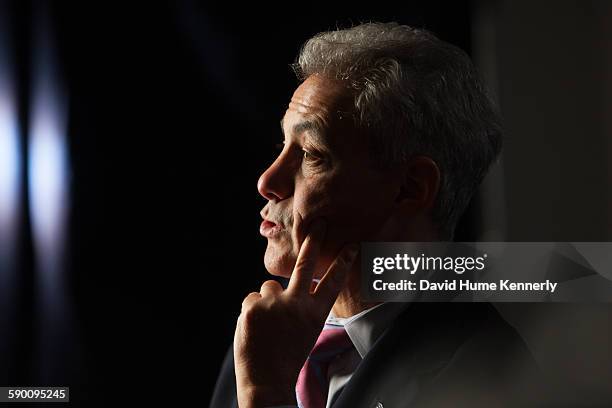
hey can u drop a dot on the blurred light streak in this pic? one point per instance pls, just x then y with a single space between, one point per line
48 171
10 195
9 164
49 204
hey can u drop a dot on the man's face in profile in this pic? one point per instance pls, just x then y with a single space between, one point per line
324 171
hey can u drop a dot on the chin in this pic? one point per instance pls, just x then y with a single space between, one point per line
279 263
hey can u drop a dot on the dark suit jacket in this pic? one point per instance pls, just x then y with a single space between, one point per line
433 355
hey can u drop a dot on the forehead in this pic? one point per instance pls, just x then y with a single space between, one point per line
319 100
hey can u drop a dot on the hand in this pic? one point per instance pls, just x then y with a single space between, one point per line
277 328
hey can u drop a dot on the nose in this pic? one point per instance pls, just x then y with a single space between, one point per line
276 183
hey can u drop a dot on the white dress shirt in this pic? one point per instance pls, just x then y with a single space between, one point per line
363 329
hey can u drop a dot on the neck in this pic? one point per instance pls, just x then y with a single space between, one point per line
349 302
415 229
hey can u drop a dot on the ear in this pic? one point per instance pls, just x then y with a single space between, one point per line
420 184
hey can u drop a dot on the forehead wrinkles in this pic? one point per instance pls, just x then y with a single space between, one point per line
322 115
301 106
319 116
320 96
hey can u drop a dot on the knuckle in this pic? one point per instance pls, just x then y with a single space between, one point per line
249 299
250 296
270 284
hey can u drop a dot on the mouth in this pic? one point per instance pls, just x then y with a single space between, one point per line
269 229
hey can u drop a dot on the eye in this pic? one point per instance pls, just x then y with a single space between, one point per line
313 159
307 155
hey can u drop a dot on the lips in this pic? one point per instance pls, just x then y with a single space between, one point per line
269 229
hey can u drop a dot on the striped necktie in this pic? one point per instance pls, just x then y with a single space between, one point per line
312 385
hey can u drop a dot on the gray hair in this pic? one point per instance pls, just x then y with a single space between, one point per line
415 95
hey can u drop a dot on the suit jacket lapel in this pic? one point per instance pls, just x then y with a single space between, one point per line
409 354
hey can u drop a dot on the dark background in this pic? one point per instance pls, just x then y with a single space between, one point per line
173 114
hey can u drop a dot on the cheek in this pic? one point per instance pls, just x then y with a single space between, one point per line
358 209
312 199
355 206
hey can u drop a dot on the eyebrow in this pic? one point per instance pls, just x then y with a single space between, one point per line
312 127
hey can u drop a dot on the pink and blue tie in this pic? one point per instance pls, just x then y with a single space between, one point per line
312 385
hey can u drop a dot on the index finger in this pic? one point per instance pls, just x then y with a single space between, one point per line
301 278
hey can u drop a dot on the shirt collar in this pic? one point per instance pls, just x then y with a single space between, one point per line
366 327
